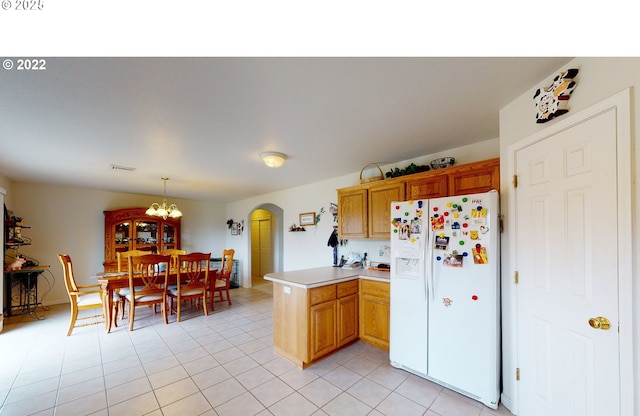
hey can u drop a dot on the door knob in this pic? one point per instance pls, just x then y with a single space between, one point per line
599 323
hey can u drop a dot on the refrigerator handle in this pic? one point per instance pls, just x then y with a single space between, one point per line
429 267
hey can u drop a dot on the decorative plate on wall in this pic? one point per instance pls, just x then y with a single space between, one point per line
553 100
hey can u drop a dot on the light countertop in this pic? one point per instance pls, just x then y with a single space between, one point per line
321 276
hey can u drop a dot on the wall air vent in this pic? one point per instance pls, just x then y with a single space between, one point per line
119 167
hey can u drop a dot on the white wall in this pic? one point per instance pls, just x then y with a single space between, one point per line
71 220
6 184
599 78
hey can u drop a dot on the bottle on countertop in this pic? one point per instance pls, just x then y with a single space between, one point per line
365 262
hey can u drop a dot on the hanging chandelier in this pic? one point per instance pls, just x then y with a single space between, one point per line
164 210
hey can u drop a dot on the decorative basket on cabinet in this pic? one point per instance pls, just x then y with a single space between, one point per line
373 178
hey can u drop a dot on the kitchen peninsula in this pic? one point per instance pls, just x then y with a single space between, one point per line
317 311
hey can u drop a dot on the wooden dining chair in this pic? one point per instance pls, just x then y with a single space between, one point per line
174 253
80 297
220 284
192 281
148 278
122 258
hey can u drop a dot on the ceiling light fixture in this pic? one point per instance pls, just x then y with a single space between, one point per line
273 159
164 210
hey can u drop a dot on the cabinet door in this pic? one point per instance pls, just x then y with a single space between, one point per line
168 237
374 313
374 324
122 237
380 198
429 187
322 329
146 235
480 177
118 239
322 294
347 319
352 214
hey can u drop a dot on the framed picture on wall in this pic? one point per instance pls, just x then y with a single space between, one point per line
234 228
307 218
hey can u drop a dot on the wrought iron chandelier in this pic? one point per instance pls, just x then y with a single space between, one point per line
164 210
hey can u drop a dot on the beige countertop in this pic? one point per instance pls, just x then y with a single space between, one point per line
321 276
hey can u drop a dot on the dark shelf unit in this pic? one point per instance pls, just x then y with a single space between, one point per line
13 238
24 281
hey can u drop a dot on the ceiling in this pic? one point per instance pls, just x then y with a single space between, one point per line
203 122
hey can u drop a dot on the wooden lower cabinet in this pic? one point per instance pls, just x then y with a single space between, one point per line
347 319
290 323
309 324
374 313
323 336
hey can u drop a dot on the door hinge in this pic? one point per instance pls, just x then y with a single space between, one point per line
515 181
517 374
516 277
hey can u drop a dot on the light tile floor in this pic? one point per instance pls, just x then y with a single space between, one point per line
222 364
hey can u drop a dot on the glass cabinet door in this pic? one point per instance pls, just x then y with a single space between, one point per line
146 236
169 237
122 236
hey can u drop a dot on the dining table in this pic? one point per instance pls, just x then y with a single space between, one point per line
111 282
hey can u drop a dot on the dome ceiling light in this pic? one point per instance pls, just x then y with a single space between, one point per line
273 159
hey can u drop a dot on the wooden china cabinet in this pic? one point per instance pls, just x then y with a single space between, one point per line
131 229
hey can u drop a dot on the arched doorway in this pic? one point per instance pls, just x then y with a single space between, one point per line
265 241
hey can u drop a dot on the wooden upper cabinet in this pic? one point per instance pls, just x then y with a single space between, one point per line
475 178
364 210
380 198
352 216
428 187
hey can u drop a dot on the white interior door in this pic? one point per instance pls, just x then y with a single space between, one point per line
567 258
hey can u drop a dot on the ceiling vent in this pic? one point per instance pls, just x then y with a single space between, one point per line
119 167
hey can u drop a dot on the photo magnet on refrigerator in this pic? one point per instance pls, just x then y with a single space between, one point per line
480 254
453 260
441 243
479 216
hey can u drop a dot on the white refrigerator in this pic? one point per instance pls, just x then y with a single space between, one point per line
445 292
